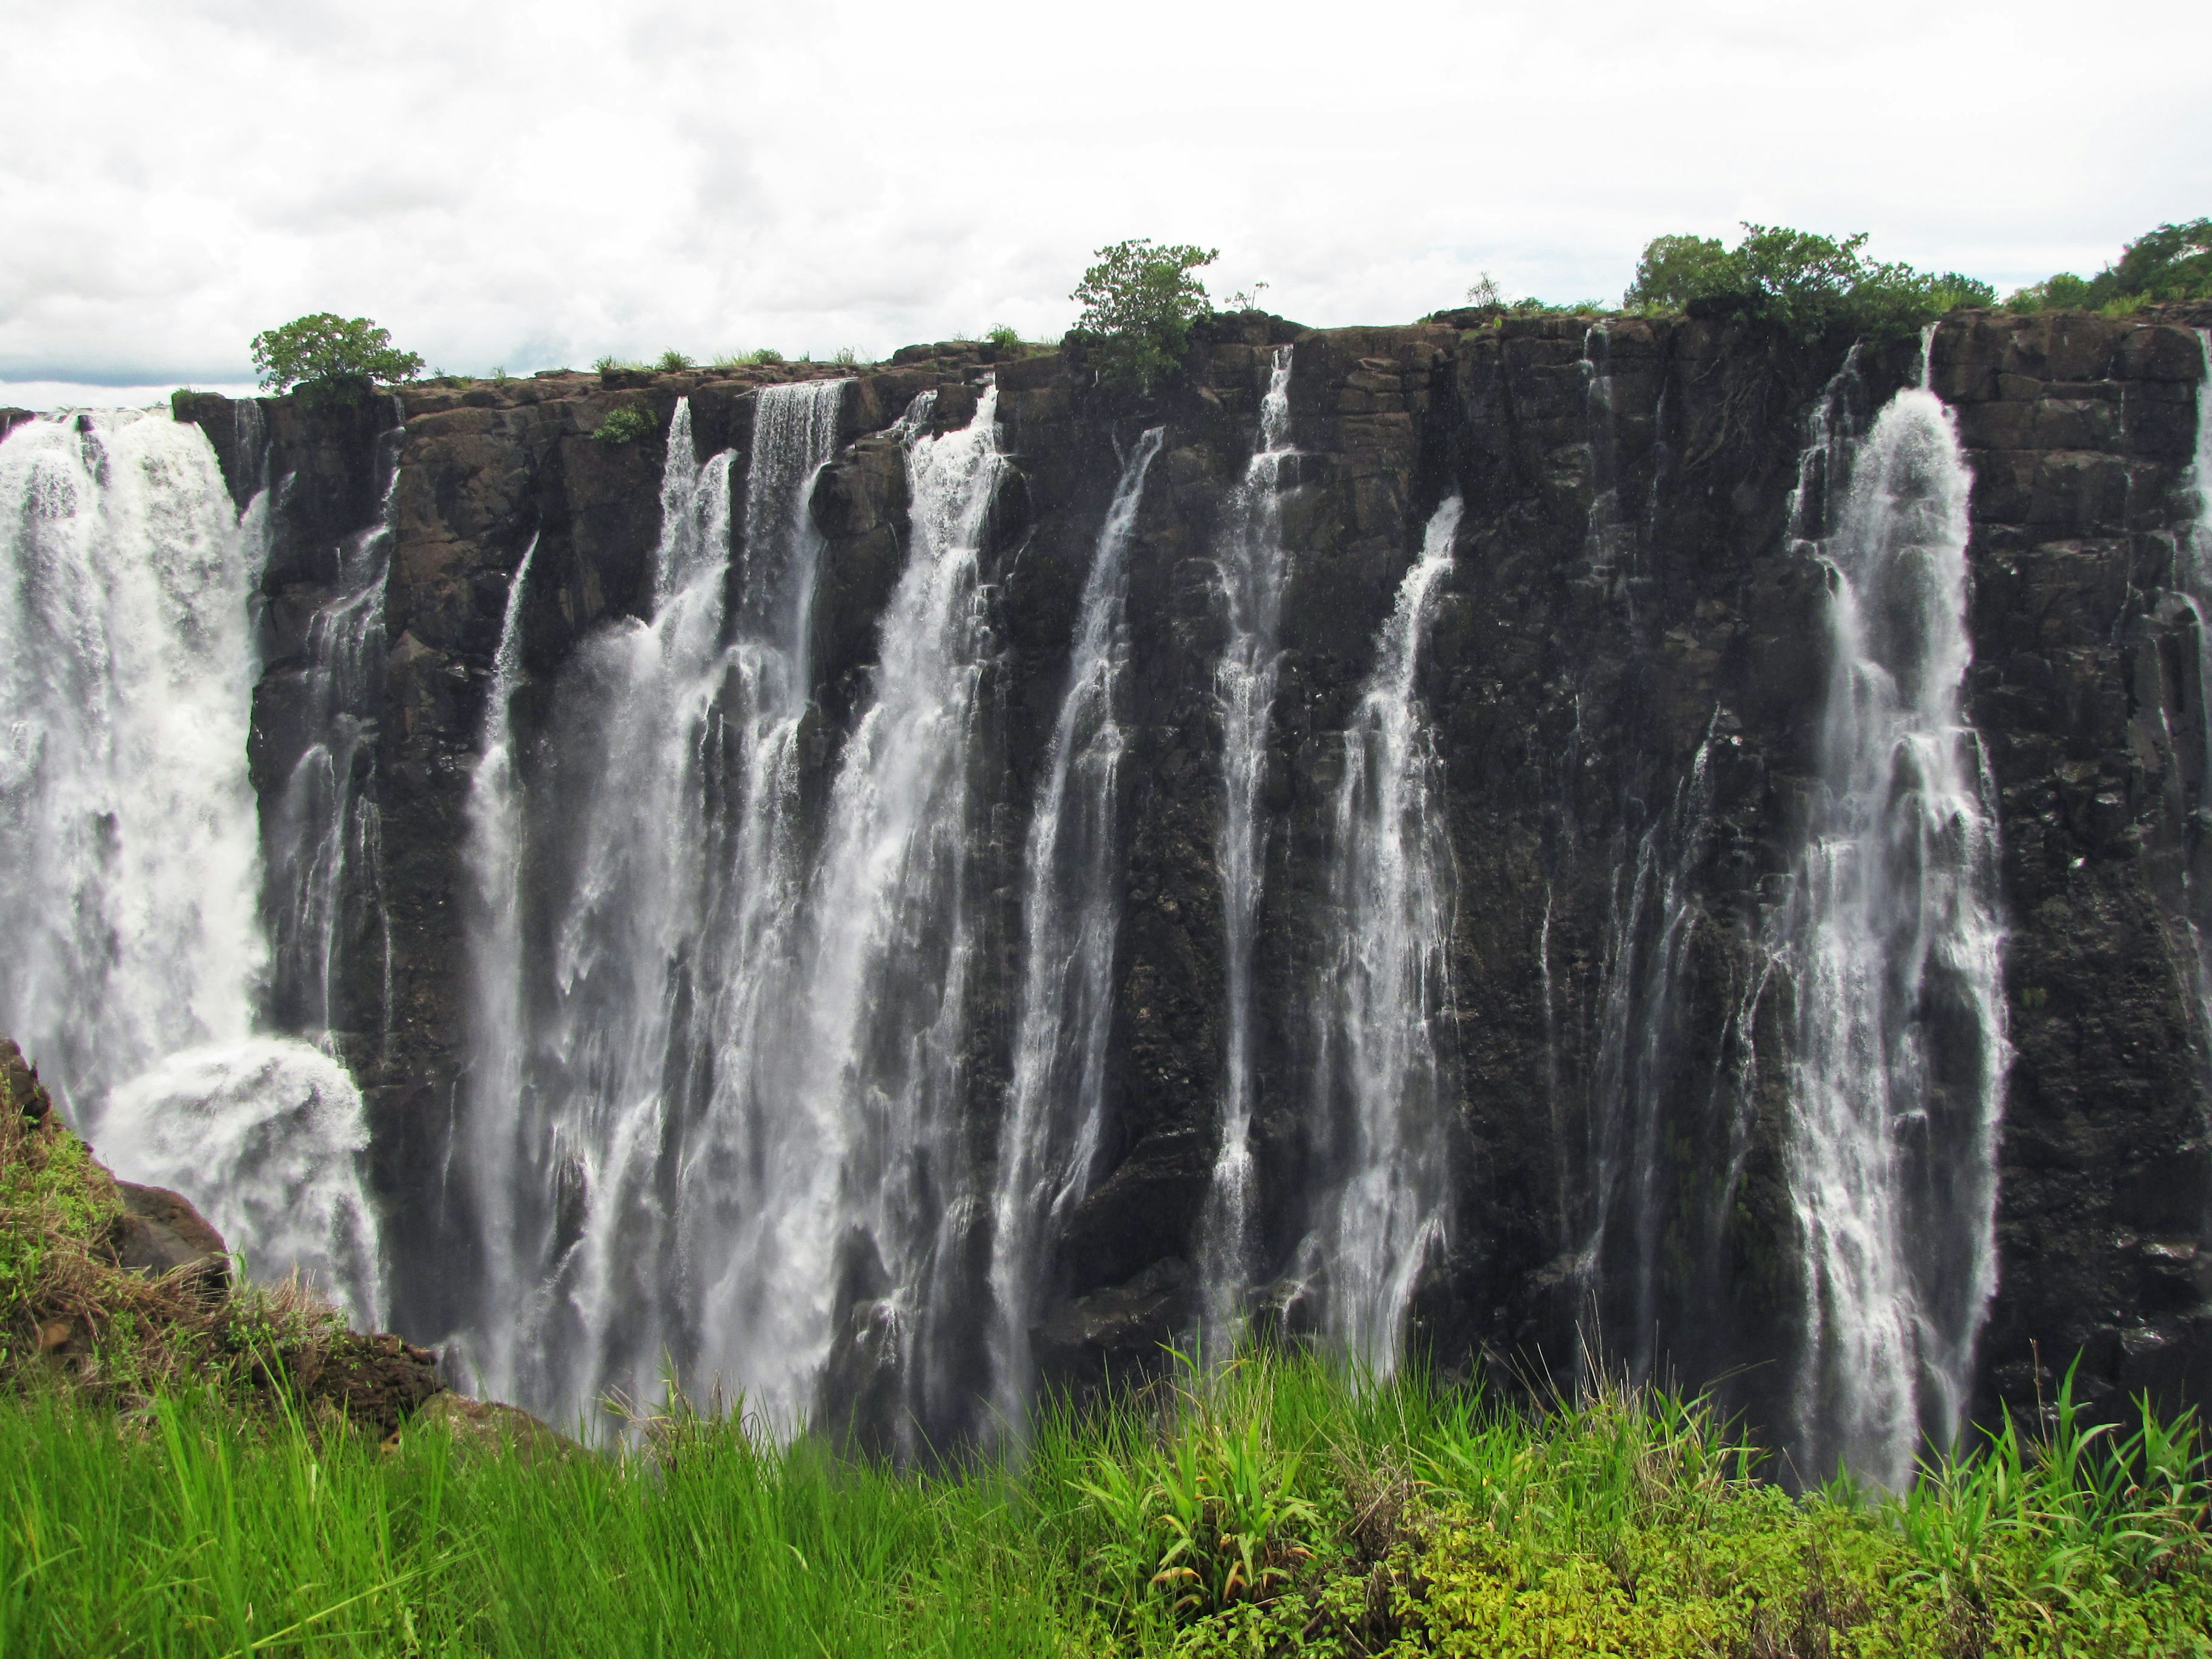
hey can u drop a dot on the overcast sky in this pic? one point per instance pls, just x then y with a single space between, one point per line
532 184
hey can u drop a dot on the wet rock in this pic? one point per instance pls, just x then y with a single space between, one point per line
159 1232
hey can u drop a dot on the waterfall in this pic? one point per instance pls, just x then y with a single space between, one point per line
128 852
1379 1100
1254 568
493 850
324 899
584 1140
1899 1051
737 1174
129 857
2193 576
869 1179
1070 915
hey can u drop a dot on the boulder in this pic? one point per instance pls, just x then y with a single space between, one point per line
160 1232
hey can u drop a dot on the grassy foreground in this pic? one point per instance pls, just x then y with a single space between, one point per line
1272 1509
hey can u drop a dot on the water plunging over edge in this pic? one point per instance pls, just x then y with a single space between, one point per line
1071 912
1379 1094
1255 569
1900 1053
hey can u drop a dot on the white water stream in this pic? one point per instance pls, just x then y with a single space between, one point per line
1381 1107
1071 918
129 863
1253 570
1900 1052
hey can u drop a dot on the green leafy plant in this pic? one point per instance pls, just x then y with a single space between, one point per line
764 356
845 356
2170 264
1005 337
328 356
672 361
1803 283
1138 301
626 425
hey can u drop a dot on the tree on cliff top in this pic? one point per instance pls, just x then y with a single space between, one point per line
1804 282
2173 262
329 355
1138 302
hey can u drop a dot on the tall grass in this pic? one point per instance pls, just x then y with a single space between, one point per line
1272 1506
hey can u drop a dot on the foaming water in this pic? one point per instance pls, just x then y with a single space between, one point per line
266 1136
1380 1104
1899 1051
129 865
129 857
1253 571
1071 919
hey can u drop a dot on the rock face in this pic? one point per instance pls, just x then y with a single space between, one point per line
1625 672
160 1232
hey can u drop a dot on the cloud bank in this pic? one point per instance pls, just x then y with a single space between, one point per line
532 186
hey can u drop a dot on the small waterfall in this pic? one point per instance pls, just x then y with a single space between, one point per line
1255 569
324 899
585 1140
1071 913
1900 1052
129 858
2193 576
736 1171
493 850
858 1253
1379 1101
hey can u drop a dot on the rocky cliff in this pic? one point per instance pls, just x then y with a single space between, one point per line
1625 674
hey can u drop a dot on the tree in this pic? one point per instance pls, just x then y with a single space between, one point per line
1800 281
329 355
1138 302
2173 262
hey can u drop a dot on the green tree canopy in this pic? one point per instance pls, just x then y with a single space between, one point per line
329 353
1138 302
1804 282
2173 262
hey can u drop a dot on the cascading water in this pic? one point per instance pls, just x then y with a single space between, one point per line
494 849
322 839
1900 1053
128 860
582 1138
1071 914
127 836
1254 568
1380 1102
2193 576
736 1172
872 1213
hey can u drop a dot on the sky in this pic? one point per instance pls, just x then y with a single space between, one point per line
526 186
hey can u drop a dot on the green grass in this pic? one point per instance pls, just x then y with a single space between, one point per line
1272 1509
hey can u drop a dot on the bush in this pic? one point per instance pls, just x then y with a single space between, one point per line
1806 283
626 425
1138 302
329 356
672 361
2163 266
1005 337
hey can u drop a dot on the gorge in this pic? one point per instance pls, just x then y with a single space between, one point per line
1516 843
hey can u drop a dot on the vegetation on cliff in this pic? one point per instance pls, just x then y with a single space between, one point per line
2172 264
1804 283
329 357
1138 301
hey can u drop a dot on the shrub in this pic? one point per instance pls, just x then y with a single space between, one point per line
1005 337
329 356
626 425
1138 302
2171 264
1804 283
672 361
764 356
845 356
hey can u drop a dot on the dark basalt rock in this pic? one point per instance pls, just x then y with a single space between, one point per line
160 1232
1617 715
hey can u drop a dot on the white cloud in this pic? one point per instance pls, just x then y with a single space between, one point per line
534 183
